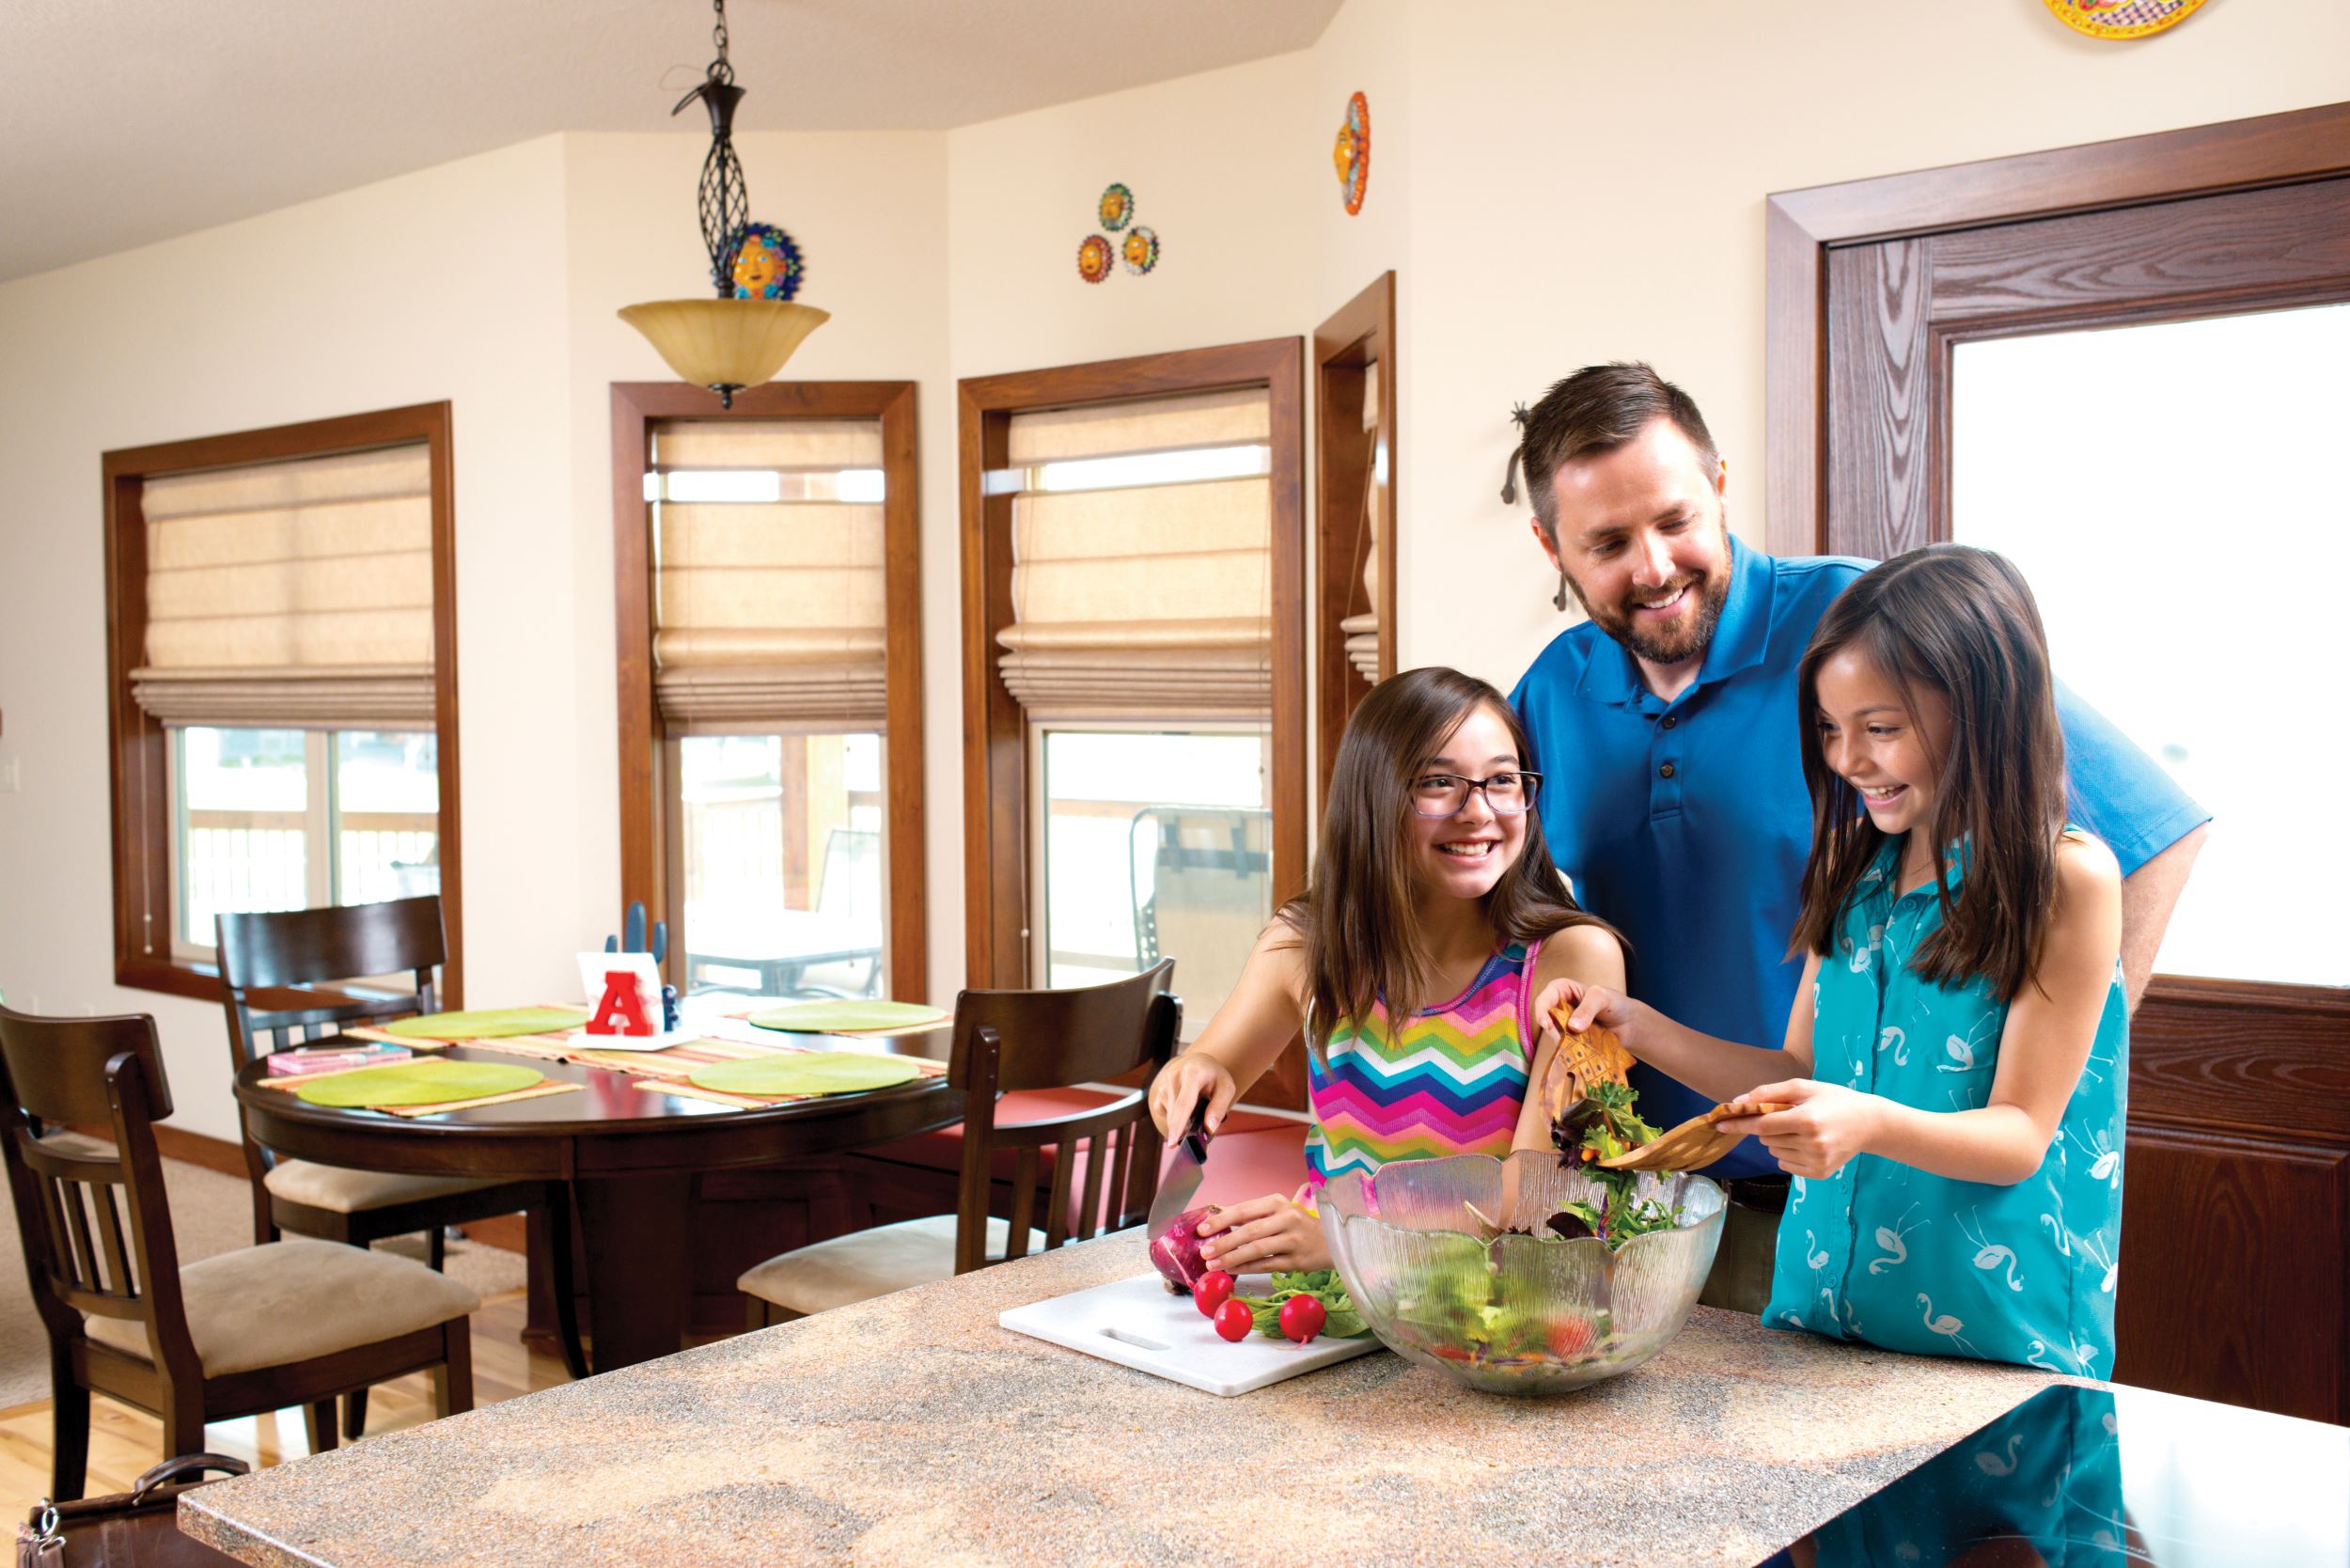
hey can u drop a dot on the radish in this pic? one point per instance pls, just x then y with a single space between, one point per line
1302 1317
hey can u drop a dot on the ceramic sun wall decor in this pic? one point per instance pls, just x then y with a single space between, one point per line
2122 19
1139 249
1093 258
1351 152
767 264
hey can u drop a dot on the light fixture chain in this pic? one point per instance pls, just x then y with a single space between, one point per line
720 69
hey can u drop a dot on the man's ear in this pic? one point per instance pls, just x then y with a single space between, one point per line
1721 479
1550 546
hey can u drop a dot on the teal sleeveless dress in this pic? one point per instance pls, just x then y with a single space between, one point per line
1901 1258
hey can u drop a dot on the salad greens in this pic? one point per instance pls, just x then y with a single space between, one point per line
1324 1284
1599 1126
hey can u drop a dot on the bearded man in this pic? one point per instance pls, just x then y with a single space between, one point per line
1667 724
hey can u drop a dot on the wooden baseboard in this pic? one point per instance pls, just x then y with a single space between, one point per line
178 1143
213 1153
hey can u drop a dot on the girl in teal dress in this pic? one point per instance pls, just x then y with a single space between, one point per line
1956 1062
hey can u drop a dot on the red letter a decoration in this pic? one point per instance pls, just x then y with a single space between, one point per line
620 998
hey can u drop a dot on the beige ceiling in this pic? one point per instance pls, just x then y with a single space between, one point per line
127 121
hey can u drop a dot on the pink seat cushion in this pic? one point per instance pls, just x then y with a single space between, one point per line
1253 1154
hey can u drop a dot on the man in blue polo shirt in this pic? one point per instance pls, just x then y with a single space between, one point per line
1667 730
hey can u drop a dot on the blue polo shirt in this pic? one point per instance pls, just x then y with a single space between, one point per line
1685 823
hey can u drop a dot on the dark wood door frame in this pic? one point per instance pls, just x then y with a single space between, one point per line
995 766
2239 1131
1802 228
1360 334
644 827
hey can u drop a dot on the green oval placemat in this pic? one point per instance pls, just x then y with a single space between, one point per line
834 1017
804 1072
489 1024
419 1082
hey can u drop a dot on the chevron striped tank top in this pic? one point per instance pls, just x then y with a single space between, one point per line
1449 1082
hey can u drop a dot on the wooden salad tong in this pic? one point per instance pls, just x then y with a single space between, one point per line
1696 1143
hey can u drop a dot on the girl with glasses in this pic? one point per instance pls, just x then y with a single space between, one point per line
1433 918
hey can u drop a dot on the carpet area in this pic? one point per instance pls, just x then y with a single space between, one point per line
211 1213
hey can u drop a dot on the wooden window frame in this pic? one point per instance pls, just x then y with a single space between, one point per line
2237 1122
1362 331
994 726
645 824
137 747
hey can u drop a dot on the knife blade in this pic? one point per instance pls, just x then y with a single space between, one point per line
1180 1181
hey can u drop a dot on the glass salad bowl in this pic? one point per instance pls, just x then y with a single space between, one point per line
1515 1314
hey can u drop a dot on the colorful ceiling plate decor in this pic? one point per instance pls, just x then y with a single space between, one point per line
1351 152
1118 208
1141 250
2122 19
1093 258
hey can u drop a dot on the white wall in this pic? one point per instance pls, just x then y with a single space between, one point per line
1555 183
1589 184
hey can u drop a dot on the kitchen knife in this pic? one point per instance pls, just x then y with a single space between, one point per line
1180 1183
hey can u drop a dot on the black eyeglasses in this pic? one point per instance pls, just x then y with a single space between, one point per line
1444 794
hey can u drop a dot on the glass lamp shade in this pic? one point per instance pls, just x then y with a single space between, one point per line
724 344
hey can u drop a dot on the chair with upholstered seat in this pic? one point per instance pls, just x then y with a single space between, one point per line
1008 1040
268 951
290 1323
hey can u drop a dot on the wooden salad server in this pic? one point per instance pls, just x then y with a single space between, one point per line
1696 1143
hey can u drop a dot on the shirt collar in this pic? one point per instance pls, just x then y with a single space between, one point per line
1742 634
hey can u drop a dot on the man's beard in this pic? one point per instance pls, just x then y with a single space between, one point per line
1664 645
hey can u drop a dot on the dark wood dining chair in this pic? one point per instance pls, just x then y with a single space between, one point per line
265 961
264 1328
1007 1041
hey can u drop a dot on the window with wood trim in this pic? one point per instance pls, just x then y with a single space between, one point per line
1354 451
283 681
770 684
1133 667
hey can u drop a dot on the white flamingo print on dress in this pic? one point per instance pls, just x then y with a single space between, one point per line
1889 1237
1987 1256
1943 1324
1992 1465
1961 1051
2063 1238
2032 1357
2093 1248
2104 1163
1897 1041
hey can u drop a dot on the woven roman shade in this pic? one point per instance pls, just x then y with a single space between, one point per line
1362 631
769 611
292 595
1145 597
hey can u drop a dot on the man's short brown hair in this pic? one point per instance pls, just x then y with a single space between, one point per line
1597 409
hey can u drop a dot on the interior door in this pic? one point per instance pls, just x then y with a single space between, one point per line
2144 406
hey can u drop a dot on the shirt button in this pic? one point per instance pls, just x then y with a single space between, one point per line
1665 772
1672 719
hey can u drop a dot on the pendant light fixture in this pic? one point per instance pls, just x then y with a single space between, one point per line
741 337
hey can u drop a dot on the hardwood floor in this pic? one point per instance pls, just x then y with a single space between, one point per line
125 1442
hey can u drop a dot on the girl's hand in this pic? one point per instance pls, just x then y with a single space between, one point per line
1588 1005
1189 1080
1825 1125
1264 1234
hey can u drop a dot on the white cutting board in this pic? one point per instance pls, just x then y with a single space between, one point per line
1139 1323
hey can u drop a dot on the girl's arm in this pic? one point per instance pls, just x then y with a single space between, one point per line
2051 1026
1720 1068
1578 956
1246 1036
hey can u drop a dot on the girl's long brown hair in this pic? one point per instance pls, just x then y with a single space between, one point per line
1962 622
1359 919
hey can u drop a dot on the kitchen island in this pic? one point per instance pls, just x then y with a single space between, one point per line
913 1428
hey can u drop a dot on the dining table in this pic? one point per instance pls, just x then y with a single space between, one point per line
628 1147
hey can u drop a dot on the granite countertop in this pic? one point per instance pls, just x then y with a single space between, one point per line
913 1428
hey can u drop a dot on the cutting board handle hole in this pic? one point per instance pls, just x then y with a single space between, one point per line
1128 1337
